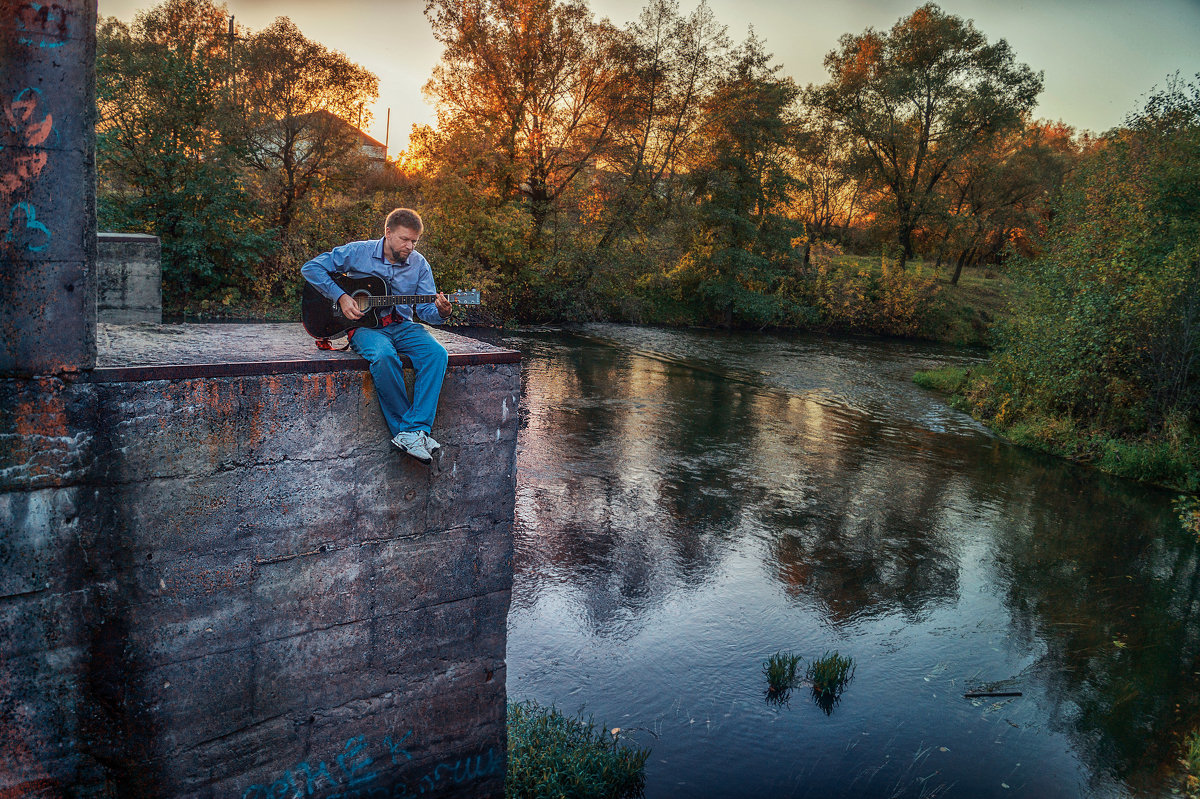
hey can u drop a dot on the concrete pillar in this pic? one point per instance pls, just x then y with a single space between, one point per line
47 186
48 510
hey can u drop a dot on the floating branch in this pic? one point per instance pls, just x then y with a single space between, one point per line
978 694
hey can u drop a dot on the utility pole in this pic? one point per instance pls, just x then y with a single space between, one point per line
232 37
387 129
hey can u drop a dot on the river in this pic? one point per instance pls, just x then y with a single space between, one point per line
691 502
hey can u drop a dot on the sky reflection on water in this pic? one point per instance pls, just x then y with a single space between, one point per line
691 502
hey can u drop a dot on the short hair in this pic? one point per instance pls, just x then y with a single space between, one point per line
404 217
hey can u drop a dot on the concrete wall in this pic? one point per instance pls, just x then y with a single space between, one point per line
273 601
129 273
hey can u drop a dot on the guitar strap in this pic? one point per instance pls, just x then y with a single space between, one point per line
387 319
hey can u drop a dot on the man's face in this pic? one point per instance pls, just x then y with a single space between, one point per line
400 242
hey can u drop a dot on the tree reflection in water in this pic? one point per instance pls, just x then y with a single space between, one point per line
690 502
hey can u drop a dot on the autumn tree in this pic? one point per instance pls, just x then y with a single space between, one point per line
741 253
165 161
478 234
920 97
537 80
999 194
831 180
671 67
297 96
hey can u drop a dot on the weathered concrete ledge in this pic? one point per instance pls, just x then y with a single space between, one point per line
168 352
222 580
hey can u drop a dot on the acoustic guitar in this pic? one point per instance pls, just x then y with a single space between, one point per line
322 317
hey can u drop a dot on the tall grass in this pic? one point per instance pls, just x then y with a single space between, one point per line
552 756
780 671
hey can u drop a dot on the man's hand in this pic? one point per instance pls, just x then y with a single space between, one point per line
349 308
443 305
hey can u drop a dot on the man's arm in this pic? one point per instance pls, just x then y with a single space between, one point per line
317 272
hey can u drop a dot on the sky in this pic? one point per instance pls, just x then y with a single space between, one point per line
1100 58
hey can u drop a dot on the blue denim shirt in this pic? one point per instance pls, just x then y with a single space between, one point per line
412 277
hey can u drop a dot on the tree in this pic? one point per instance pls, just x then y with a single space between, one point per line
536 79
672 65
918 98
999 194
831 179
478 235
297 95
742 249
165 161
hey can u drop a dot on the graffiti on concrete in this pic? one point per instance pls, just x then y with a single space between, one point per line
42 24
356 774
26 129
25 232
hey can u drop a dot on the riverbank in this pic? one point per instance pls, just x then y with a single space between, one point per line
841 294
1169 458
921 304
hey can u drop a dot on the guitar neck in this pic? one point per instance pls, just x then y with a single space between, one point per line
399 299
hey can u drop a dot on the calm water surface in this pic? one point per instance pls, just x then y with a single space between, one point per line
691 502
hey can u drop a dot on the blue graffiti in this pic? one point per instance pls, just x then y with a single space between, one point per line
355 769
352 780
394 748
27 232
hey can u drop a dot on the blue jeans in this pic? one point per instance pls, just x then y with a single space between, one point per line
382 347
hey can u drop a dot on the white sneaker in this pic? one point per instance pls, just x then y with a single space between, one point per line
431 444
413 442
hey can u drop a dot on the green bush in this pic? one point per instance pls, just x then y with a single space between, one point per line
552 755
1110 324
1191 764
1099 361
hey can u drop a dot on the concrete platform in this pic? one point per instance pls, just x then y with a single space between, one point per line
185 351
222 580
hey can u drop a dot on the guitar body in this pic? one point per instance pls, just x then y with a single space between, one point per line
323 319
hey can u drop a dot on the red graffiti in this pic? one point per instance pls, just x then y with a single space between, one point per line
42 24
25 130
26 127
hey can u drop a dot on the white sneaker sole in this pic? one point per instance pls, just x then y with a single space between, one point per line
410 453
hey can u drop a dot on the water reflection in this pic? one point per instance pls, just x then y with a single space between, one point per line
690 502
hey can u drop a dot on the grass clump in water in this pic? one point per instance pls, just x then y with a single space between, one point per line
780 671
829 675
552 755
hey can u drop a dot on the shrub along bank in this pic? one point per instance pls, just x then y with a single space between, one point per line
1100 363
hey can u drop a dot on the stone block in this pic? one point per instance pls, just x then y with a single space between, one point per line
267 596
481 484
479 405
128 278
340 696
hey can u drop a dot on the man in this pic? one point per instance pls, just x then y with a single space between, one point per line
405 271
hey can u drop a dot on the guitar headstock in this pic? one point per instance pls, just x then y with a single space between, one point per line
464 297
